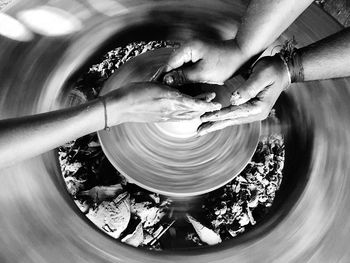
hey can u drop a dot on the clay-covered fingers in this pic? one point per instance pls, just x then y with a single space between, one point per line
188 52
233 115
269 73
182 115
175 78
184 75
209 127
253 108
186 102
182 66
176 106
154 102
255 84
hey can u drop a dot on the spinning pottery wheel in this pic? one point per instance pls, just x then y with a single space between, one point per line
39 221
168 158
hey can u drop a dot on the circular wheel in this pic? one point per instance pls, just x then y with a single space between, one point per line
40 222
168 158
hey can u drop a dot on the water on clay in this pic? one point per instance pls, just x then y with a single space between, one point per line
165 221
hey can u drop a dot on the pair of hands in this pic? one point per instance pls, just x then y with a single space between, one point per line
155 102
206 62
215 62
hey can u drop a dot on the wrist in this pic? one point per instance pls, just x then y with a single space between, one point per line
113 109
286 68
92 117
292 59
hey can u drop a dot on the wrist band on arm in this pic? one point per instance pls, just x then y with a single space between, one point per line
292 59
102 99
287 68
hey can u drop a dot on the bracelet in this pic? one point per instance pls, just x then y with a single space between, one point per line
106 128
292 59
287 68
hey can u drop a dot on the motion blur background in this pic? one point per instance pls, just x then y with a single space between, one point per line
51 241
339 9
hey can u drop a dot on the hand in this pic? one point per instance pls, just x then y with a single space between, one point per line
154 102
211 62
254 100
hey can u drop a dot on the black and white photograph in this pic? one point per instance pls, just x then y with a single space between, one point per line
186 131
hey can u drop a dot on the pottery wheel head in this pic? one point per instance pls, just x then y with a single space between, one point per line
168 158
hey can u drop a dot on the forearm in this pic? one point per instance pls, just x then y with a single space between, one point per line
264 21
327 58
30 136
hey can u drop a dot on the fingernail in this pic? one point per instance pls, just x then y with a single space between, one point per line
235 97
169 80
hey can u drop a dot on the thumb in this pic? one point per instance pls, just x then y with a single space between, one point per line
182 76
208 96
249 90
188 52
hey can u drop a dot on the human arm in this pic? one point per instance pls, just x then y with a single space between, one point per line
325 59
328 58
217 61
26 137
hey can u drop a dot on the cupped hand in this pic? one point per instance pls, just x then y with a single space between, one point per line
154 102
254 100
208 62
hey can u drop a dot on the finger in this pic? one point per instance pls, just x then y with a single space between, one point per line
250 89
187 102
234 112
175 78
208 96
208 127
183 75
186 53
186 115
